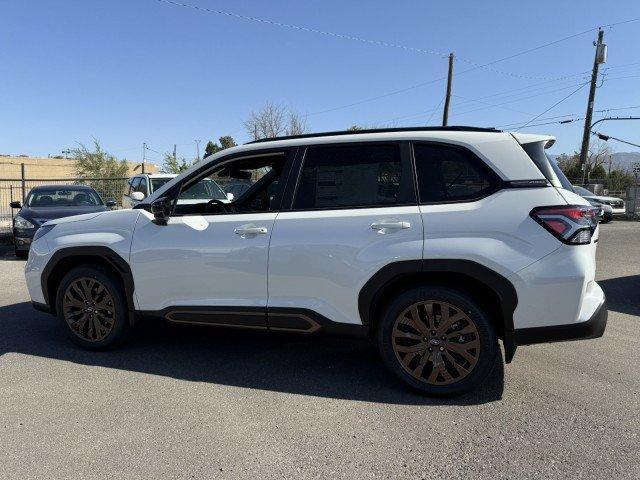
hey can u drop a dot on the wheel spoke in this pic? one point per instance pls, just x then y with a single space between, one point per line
447 321
462 349
417 323
400 334
410 349
431 322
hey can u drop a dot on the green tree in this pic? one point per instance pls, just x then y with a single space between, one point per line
226 141
173 164
98 163
100 170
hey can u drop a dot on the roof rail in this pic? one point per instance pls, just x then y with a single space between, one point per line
379 130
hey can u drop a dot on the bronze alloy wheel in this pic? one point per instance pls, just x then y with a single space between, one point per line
88 309
436 342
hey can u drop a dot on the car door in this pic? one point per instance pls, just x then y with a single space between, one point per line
208 264
135 185
353 212
126 197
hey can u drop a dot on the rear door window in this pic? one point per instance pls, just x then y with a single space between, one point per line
352 176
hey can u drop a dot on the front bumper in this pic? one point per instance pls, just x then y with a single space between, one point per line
22 238
593 328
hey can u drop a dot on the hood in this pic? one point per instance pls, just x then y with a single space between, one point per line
607 199
40 215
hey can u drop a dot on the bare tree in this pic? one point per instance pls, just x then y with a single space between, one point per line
274 120
599 154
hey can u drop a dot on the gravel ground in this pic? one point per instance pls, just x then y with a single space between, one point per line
206 403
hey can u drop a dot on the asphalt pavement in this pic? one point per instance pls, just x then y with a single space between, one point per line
206 403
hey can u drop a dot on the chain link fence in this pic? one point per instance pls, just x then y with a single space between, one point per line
18 190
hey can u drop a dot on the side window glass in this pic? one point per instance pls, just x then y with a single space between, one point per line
142 187
350 176
449 174
241 186
135 183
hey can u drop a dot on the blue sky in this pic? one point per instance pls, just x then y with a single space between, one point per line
136 71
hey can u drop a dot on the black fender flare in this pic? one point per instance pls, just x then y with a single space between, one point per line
500 285
106 254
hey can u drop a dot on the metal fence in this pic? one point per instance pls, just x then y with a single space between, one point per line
18 189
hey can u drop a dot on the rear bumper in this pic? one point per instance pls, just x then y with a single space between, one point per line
592 328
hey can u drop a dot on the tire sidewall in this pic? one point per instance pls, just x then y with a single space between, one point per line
488 339
121 325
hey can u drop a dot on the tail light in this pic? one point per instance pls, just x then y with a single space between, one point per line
571 224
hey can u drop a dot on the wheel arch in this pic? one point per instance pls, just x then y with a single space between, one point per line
491 290
64 259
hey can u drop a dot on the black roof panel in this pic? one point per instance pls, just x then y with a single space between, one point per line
379 130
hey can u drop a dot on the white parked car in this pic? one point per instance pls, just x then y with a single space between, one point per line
141 186
616 204
435 243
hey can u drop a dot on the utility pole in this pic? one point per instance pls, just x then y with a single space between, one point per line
197 150
447 100
175 157
144 152
600 57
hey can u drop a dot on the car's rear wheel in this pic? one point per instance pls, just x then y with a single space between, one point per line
91 305
437 340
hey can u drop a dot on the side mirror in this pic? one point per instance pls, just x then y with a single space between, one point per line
230 196
161 210
15 204
137 196
110 203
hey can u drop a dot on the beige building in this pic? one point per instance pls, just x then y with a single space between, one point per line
52 168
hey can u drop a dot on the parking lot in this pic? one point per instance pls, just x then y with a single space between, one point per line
207 403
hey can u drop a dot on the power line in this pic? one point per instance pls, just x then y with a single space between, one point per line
383 43
570 120
433 112
497 105
555 104
604 137
520 99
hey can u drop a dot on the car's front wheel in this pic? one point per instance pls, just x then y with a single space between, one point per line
91 305
437 340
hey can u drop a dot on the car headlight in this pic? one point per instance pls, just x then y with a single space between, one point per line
42 231
20 222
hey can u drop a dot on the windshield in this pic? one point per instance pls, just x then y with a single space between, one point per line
63 197
582 191
156 183
203 190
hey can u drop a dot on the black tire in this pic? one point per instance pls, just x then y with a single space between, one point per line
21 253
118 320
396 322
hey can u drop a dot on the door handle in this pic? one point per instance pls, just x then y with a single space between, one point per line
389 225
250 230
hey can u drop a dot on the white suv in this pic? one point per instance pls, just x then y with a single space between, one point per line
432 242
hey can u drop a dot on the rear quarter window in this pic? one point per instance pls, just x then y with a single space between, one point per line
451 174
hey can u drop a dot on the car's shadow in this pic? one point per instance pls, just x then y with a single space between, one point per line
342 368
623 294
